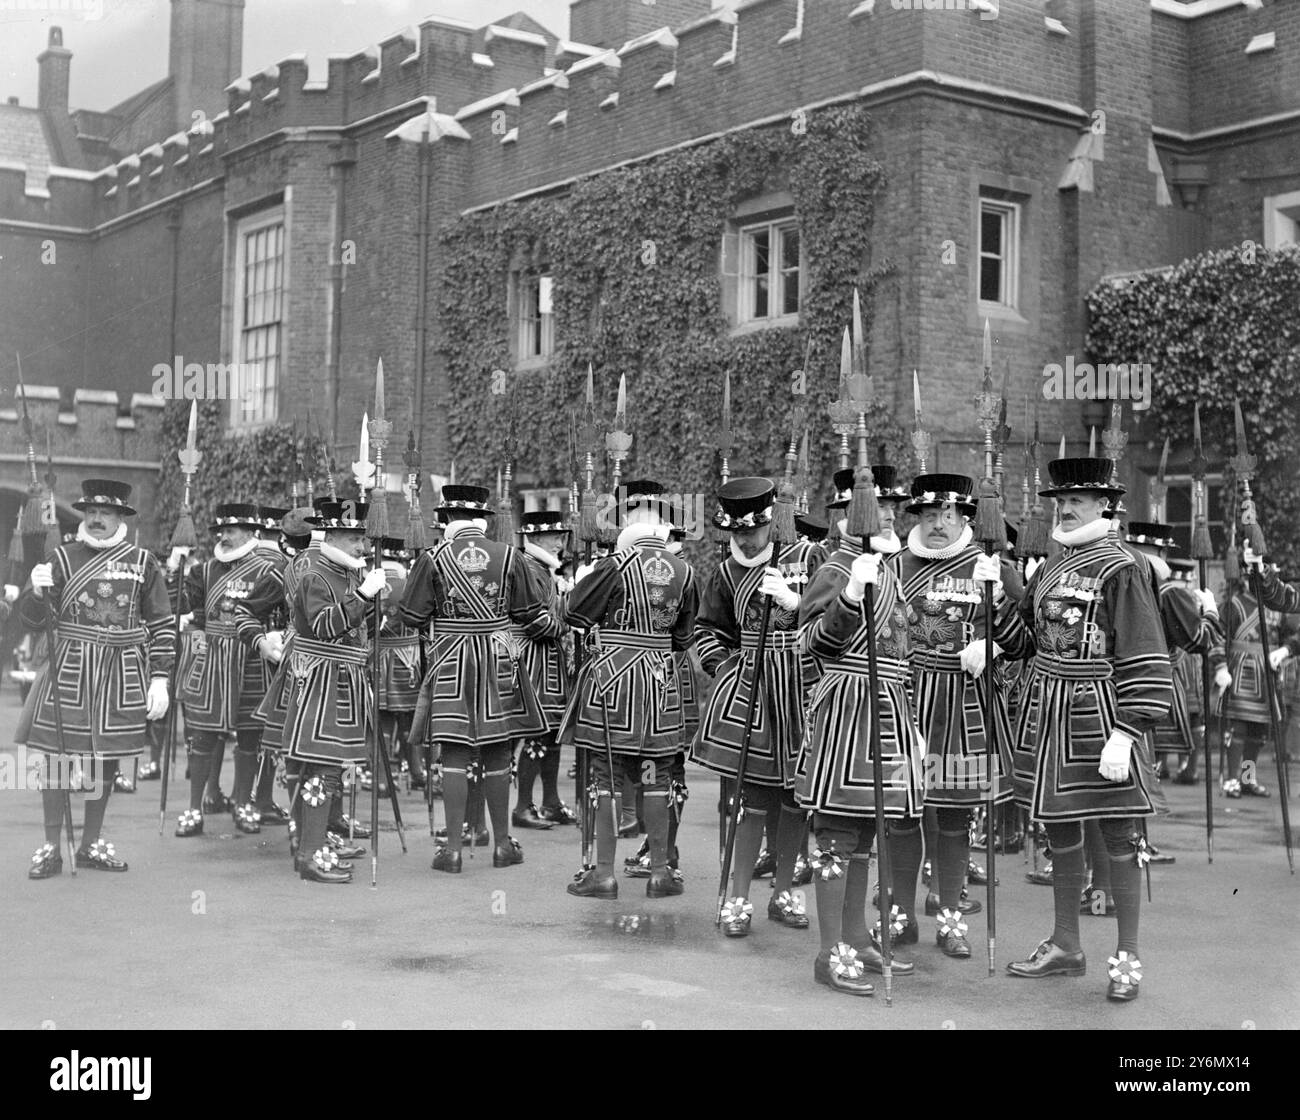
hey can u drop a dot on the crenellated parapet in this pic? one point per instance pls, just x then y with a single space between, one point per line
97 426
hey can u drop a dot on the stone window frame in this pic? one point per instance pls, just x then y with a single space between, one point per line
1282 220
242 225
1024 194
529 279
771 211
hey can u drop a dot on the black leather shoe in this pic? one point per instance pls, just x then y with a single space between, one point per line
787 910
803 871
1155 855
842 970
122 784
1040 878
150 772
100 856
765 865
910 934
1125 972
508 854
312 871
444 859
1049 960
662 884
977 875
219 804
46 863
359 830
1187 776
638 866
480 838
340 847
529 817
558 814
966 905
189 823
273 814
874 961
248 820
736 917
591 885
951 936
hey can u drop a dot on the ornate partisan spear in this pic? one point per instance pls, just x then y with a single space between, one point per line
51 638
183 537
863 521
921 439
721 538
618 442
1244 468
417 542
990 531
1202 551
589 532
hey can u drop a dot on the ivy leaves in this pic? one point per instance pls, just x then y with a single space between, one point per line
635 257
1215 327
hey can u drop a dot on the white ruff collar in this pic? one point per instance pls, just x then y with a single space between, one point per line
337 556
917 548
642 535
745 562
1085 534
269 545
885 545
537 552
108 542
230 555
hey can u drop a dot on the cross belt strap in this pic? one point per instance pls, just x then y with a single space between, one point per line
136 636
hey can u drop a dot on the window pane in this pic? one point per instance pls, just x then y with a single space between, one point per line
991 231
991 279
257 350
790 272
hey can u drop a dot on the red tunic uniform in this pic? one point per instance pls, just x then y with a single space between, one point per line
113 627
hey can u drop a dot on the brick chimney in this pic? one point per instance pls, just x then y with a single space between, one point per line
611 23
205 55
55 63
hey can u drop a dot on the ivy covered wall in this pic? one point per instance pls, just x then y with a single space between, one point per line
634 256
1220 325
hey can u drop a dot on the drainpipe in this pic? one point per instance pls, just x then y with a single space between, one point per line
421 285
345 155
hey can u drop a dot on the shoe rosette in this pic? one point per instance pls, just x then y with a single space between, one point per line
790 905
313 792
737 910
1124 968
43 853
846 962
828 863
950 922
325 859
101 851
898 920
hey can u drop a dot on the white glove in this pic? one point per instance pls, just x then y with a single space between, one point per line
988 568
1208 603
1277 656
1115 757
187 620
11 593
1222 678
177 557
774 585
376 580
1250 559
582 572
972 657
563 585
271 646
1031 566
155 707
865 570
42 577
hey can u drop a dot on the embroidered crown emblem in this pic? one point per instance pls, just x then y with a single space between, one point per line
658 572
473 559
